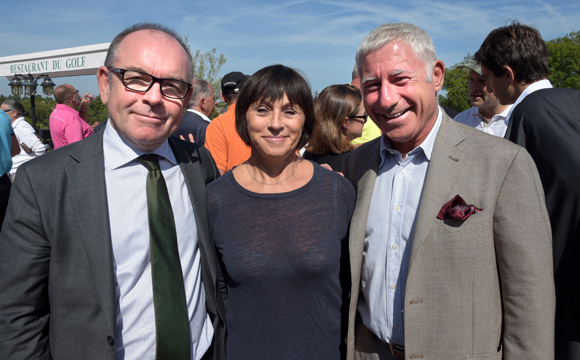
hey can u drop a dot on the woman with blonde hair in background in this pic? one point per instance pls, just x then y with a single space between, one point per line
340 117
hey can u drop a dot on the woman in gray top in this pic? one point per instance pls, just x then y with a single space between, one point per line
279 224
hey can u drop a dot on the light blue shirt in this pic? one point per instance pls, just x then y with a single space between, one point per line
127 203
389 236
5 143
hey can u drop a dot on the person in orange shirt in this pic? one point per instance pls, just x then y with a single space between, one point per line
221 139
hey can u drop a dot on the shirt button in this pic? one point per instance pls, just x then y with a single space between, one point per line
397 207
110 340
393 286
404 171
395 326
394 247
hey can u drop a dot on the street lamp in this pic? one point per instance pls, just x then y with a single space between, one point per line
16 85
47 85
29 84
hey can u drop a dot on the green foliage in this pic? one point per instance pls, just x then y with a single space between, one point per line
565 61
44 107
219 109
455 84
207 66
97 111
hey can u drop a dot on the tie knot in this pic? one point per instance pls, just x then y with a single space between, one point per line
150 161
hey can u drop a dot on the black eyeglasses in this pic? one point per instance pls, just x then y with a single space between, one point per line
142 82
363 117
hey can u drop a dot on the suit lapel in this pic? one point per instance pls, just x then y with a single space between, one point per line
86 176
446 164
358 225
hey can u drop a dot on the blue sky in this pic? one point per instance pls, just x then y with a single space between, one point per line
319 38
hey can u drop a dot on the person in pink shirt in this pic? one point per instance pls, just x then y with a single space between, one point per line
68 125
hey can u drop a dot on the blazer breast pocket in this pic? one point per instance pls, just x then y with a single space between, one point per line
476 222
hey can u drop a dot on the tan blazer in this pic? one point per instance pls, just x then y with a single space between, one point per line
476 289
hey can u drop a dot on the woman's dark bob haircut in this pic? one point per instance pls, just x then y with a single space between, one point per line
269 85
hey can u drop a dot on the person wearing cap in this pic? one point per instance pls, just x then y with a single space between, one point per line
487 114
221 139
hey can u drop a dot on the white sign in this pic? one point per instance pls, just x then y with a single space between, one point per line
81 60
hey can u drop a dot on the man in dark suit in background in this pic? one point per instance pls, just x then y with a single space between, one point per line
545 121
100 228
199 109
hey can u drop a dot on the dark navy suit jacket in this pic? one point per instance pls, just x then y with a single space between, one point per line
547 124
192 123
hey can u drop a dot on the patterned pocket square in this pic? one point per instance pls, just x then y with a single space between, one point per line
458 209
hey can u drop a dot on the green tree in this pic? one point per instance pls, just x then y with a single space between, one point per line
44 107
207 66
565 61
97 111
455 84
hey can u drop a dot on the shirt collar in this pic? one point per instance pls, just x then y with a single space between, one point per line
426 146
15 122
506 112
203 116
119 152
65 108
538 85
501 115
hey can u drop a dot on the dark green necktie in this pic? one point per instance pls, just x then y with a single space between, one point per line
171 320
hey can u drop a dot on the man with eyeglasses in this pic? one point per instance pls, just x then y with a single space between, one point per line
68 125
107 252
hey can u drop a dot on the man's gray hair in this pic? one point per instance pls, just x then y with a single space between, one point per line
419 41
114 47
354 71
15 105
199 89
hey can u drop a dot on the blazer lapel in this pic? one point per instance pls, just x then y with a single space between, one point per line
86 176
360 215
446 164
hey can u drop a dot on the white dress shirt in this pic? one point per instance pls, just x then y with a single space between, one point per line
538 85
127 203
497 125
203 116
25 135
389 236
